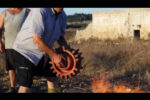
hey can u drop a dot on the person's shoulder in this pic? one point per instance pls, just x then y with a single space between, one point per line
39 10
64 15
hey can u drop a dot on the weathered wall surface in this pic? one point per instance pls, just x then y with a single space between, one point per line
117 23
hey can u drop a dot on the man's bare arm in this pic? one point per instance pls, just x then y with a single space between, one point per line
37 39
62 41
1 29
2 23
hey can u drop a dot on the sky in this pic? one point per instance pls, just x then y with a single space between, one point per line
71 11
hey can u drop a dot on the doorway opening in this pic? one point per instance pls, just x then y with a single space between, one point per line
137 34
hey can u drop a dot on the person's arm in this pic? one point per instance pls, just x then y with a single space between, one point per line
38 30
1 29
37 39
62 41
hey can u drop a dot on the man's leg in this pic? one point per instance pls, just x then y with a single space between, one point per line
12 78
25 70
12 81
25 76
23 89
43 69
24 79
11 71
52 83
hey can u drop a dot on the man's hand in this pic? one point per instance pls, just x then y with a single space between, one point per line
58 59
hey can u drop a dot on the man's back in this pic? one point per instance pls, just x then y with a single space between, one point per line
12 25
41 21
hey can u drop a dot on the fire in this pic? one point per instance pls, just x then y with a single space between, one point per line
103 85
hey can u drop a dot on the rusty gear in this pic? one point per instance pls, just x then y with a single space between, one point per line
72 63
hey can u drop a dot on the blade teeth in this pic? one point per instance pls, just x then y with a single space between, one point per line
75 69
51 67
70 76
76 55
76 59
73 73
73 51
50 62
57 74
54 71
61 76
66 77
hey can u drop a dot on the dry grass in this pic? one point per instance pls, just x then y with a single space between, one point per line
122 58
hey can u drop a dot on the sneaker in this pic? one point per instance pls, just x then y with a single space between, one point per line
57 90
52 91
11 90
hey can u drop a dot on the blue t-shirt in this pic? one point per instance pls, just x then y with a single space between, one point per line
44 22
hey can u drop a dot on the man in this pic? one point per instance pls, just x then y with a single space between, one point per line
41 29
11 21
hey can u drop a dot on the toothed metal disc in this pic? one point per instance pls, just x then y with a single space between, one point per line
70 64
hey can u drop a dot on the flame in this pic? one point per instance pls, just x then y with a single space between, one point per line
103 85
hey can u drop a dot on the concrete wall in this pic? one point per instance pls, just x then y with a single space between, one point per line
117 23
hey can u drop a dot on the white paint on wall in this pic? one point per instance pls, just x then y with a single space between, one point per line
117 23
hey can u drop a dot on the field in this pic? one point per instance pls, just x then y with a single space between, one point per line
126 62
123 60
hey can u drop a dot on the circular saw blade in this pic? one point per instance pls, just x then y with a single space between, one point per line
70 65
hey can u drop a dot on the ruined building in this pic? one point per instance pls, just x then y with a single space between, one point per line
128 23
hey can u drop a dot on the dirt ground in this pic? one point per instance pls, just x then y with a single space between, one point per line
74 85
78 84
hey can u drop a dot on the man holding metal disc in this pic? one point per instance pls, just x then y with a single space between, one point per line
41 29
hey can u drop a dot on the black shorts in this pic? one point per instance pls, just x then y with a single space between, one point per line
9 60
26 70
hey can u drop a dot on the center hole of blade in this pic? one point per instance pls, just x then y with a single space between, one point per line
64 60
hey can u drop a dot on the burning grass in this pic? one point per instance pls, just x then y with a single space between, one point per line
103 85
121 59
